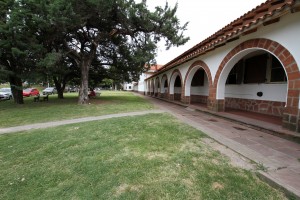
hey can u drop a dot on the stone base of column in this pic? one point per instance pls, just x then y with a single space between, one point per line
186 99
217 105
291 121
171 97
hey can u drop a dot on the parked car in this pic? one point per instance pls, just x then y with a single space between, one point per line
49 90
31 92
5 94
73 89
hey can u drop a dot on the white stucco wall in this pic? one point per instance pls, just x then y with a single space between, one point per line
271 92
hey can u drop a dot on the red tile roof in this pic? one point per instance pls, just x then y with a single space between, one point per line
153 68
265 13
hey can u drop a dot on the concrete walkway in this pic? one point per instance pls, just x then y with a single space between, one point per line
73 121
278 157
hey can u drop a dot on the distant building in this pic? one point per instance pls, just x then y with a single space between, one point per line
128 86
140 85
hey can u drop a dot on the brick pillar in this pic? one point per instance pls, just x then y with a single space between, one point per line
167 96
213 103
217 105
171 97
290 119
182 97
186 99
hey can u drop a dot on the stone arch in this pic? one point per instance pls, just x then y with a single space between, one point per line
199 64
164 90
290 114
174 75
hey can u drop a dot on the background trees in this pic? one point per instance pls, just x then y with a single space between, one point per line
89 35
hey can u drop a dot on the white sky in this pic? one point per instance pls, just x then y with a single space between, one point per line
205 17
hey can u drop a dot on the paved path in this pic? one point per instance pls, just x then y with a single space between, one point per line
73 121
279 157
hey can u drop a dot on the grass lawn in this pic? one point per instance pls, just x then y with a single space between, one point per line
147 157
56 109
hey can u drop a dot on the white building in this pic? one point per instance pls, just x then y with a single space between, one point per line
128 86
252 64
140 85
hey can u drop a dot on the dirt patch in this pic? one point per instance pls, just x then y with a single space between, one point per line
192 146
188 182
156 155
127 188
217 186
98 101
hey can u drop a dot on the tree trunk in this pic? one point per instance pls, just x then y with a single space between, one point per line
60 87
16 89
84 85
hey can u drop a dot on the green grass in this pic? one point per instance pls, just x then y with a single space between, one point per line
55 109
147 157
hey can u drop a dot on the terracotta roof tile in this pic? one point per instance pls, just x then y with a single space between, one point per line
243 24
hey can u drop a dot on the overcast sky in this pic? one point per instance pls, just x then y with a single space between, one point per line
205 17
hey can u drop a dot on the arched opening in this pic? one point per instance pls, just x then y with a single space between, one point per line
175 86
255 81
157 87
197 86
164 90
291 69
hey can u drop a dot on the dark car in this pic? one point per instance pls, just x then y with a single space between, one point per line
31 92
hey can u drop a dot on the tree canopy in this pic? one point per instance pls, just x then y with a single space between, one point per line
91 34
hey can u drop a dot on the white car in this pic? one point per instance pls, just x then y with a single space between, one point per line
49 90
5 94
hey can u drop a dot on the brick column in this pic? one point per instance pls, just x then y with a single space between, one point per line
171 97
217 105
186 99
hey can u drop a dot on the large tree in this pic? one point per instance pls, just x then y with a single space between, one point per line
18 45
118 31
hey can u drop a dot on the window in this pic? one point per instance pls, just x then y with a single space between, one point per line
198 79
255 69
166 84
236 74
277 71
129 87
263 68
158 85
177 82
